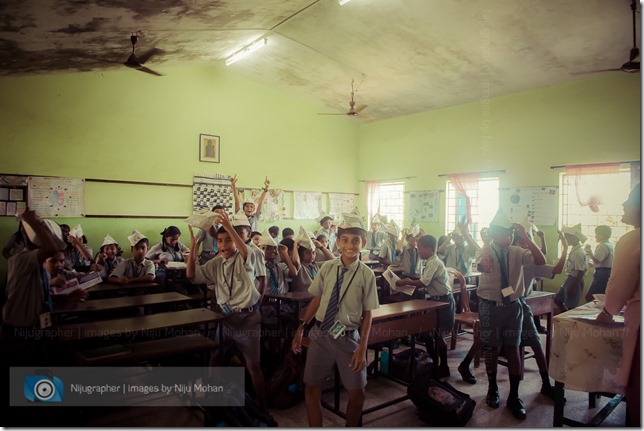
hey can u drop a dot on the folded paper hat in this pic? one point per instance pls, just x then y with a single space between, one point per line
203 221
267 239
322 216
501 220
383 219
109 240
529 227
351 220
136 237
575 231
304 239
392 228
77 231
240 219
414 230
55 230
376 219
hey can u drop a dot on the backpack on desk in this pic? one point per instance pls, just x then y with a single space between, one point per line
440 404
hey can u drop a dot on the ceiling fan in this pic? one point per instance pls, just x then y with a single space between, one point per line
353 111
633 63
136 62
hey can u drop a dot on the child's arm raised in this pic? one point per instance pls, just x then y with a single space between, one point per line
562 259
538 257
471 244
448 240
192 256
295 257
241 245
283 252
233 183
76 242
48 246
542 238
399 243
267 183
327 253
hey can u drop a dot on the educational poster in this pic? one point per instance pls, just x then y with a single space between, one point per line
341 203
209 190
57 197
423 206
13 195
273 207
538 204
306 205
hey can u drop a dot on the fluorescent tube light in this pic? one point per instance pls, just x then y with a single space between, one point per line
341 2
247 50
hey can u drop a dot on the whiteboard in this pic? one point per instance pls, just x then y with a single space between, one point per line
538 204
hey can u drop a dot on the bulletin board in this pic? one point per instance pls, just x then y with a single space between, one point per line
538 204
56 196
423 206
13 195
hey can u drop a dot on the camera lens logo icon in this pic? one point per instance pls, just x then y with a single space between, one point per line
43 389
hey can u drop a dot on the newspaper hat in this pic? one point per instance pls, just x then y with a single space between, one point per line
240 219
267 239
501 220
351 220
304 239
203 220
414 230
136 237
323 216
575 231
55 230
108 240
376 218
392 228
77 231
529 226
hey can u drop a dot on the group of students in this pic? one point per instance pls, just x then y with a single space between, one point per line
240 272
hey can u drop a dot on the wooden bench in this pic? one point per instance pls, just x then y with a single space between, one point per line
144 351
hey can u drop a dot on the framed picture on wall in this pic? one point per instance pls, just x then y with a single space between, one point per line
209 148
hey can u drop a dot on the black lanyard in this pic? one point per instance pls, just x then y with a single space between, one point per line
340 287
232 273
505 275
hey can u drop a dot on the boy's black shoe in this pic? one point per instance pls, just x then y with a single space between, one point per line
516 406
542 330
548 391
442 372
466 374
492 399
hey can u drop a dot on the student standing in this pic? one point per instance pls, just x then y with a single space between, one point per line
602 260
459 254
249 207
344 294
570 292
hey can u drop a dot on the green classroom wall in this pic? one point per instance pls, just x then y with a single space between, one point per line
593 120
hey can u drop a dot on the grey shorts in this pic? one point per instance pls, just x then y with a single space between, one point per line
570 301
324 352
529 333
500 325
244 330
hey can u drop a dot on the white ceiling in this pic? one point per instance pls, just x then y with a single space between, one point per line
406 56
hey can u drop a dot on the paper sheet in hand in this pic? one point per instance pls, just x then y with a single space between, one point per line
392 279
85 281
202 221
176 265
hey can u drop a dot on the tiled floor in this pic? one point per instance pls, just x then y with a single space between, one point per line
539 408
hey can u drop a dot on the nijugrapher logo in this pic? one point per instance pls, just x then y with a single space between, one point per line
43 389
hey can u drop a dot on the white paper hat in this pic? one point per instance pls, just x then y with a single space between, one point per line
109 240
240 219
501 220
203 221
322 216
77 231
136 237
529 227
351 220
575 231
304 239
376 219
53 227
414 230
267 239
392 228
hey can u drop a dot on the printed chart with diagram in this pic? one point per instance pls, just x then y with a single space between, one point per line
57 197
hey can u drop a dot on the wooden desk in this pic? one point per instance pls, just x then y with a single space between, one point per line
371 263
111 304
541 304
106 287
134 325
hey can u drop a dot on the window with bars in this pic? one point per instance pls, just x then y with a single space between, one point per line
484 202
389 198
593 197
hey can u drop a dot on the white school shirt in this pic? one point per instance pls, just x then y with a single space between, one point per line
405 260
233 278
577 261
458 257
490 282
254 222
208 242
387 251
532 272
279 270
604 254
375 240
258 260
170 254
331 236
435 277
131 269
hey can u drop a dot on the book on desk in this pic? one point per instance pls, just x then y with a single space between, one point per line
84 281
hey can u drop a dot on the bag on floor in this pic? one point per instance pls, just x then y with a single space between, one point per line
401 364
286 387
439 403
251 415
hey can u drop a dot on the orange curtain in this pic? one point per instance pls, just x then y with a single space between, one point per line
461 183
586 196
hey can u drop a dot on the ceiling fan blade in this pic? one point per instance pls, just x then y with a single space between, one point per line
365 117
359 108
147 54
148 70
595 71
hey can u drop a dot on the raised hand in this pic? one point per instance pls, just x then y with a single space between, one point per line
267 183
233 180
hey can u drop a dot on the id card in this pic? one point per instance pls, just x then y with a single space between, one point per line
226 308
45 320
507 291
337 329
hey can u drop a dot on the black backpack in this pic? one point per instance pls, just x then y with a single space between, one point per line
440 404
286 387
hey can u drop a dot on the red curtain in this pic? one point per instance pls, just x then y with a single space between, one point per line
461 183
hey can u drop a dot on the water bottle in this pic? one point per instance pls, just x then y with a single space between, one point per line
384 361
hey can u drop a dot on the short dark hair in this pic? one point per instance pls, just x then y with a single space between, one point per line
427 241
287 231
353 231
274 230
221 230
218 207
289 243
325 219
240 229
604 230
319 238
144 240
253 233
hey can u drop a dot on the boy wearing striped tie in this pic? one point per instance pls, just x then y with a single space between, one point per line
278 274
344 293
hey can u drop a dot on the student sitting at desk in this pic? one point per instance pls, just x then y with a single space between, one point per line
437 286
326 221
458 255
108 258
376 236
410 261
169 249
344 293
388 254
76 254
137 268
236 296
303 258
